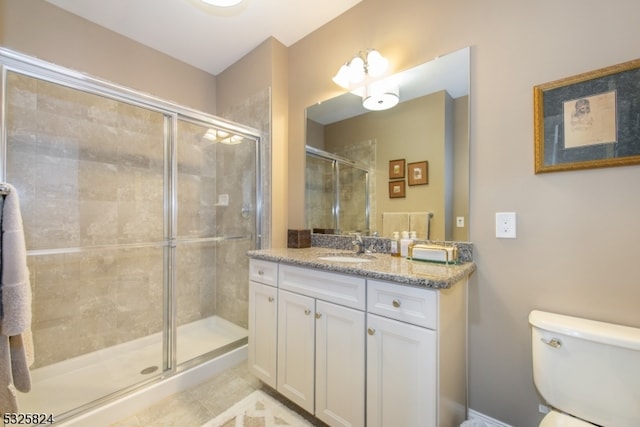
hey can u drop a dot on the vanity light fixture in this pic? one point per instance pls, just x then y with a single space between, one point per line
222 3
380 96
363 68
365 64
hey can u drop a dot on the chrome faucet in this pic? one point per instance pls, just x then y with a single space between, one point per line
358 244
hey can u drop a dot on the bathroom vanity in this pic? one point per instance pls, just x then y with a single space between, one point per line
368 340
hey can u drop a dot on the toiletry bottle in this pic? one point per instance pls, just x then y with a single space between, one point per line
404 244
395 244
412 242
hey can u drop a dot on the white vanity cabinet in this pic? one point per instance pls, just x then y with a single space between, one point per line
321 343
416 355
263 320
355 351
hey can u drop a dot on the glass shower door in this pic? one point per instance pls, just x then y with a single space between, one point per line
216 222
320 182
89 171
353 196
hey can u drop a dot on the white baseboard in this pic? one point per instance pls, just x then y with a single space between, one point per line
490 422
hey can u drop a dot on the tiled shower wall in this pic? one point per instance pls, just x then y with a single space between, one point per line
232 293
90 172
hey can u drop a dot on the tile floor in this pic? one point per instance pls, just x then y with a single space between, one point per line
196 406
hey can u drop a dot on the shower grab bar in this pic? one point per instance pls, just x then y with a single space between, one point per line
168 243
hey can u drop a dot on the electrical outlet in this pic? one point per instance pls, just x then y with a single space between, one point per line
506 225
459 221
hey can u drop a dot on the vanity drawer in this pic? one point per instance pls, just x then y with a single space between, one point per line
411 305
265 272
332 287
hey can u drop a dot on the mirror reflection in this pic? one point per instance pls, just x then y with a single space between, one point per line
401 169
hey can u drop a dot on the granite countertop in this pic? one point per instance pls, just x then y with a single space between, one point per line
382 266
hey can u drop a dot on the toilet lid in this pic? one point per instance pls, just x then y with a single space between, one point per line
558 419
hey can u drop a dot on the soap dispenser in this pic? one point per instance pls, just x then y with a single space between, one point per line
404 244
395 244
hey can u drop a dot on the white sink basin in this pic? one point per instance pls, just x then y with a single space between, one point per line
343 258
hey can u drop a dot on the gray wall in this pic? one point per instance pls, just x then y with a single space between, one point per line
576 230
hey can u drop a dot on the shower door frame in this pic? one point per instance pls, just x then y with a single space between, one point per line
11 61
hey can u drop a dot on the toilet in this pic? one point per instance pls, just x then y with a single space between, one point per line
588 372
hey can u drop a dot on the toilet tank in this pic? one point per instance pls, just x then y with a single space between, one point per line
586 368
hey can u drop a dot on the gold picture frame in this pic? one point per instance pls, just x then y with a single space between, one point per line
397 189
418 173
586 121
396 169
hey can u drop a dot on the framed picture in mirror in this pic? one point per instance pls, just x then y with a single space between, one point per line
418 173
396 189
396 169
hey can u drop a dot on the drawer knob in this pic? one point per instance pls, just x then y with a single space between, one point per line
307 311
396 303
270 299
371 331
318 315
260 272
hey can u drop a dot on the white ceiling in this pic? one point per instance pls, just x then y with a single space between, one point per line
206 37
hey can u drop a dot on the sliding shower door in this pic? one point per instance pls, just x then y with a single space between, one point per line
216 223
321 184
90 173
353 197
137 217
336 194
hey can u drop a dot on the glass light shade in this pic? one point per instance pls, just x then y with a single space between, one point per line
379 97
356 70
377 64
222 3
342 77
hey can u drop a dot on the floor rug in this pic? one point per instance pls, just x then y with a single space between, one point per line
258 410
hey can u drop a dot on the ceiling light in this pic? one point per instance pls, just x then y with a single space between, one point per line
363 66
222 3
380 96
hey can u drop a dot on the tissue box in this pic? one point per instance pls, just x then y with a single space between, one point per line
299 238
434 253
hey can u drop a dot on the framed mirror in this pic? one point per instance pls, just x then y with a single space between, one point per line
351 152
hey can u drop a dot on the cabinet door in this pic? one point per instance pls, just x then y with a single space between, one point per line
296 347
263 324
401 374
340 367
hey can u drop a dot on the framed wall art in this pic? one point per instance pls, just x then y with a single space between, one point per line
418 173
396 169
396 189
589 120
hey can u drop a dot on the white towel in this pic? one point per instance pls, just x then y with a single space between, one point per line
16 343
394 221
419 222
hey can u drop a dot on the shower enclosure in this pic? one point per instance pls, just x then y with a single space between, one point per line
137 215
336 194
